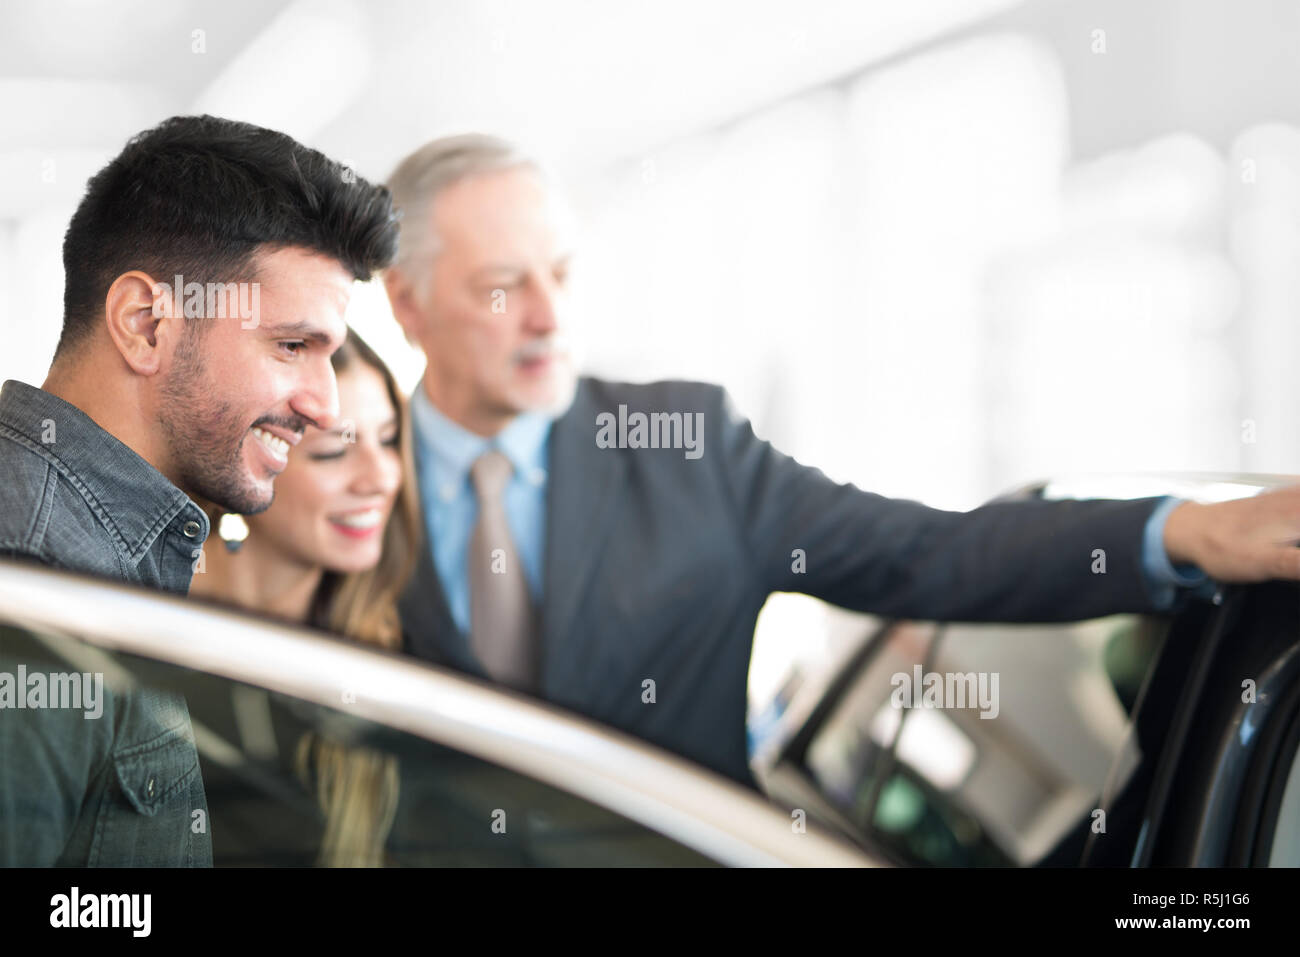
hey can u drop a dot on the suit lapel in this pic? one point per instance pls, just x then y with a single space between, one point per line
429 630
582 491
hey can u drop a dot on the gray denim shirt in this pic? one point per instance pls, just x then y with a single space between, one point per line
122 789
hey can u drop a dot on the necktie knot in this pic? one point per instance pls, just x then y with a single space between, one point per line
490 473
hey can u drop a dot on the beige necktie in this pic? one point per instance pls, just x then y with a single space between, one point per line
503 622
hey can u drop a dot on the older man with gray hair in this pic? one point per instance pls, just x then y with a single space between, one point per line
609 546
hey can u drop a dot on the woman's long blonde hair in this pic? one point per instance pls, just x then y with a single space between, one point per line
356 787
363 605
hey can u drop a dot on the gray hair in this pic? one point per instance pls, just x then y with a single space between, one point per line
432 168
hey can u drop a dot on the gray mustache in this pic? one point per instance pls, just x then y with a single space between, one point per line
539 350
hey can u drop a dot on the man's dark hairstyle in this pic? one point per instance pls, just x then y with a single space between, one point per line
198 196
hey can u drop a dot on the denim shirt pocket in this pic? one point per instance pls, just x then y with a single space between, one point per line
145 819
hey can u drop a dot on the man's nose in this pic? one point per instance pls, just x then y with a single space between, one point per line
544 309
317 398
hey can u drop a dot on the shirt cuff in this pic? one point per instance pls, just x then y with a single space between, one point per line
1163 577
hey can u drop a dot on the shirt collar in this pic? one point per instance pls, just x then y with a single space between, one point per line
133 499
450 449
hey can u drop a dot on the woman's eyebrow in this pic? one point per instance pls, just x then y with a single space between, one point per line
340 429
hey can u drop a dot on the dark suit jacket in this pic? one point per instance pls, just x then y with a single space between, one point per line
656 567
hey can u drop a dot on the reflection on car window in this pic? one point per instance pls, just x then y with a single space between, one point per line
941 784
97 771
279 781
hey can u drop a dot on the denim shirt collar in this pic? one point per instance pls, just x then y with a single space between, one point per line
135 502
447 450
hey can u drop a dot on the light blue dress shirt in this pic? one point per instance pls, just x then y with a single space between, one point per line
445 452
1165 578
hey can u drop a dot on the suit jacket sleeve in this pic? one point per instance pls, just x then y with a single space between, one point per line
1009 561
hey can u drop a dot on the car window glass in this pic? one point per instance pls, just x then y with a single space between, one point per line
1005 762
283 782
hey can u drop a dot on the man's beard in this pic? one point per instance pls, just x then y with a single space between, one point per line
563 388
205 437
563 377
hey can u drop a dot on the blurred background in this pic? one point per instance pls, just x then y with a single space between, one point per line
938 248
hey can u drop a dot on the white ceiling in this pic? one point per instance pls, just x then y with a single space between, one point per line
581 81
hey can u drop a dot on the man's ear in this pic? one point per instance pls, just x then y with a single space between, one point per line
142 320
405 303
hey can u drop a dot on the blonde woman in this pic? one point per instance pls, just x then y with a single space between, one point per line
334 551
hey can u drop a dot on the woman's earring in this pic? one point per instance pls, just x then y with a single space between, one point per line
233 530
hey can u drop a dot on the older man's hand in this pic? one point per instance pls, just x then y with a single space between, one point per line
1244 540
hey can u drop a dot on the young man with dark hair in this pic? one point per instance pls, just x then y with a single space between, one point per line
208 269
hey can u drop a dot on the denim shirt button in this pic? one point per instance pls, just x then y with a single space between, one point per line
191 529
149 787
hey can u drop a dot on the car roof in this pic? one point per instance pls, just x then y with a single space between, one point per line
1197 486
